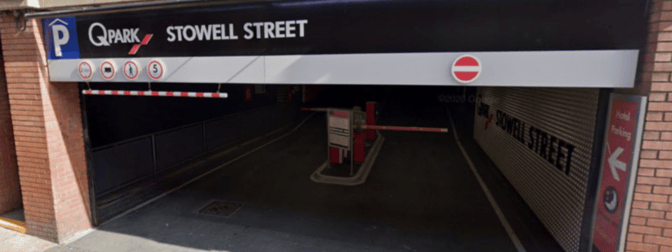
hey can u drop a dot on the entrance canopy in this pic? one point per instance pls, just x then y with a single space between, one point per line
513 43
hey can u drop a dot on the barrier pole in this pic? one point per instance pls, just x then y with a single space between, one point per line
401 128
314 109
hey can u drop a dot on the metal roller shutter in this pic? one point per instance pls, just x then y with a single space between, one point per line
541 139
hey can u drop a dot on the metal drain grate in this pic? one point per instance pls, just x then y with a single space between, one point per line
221 208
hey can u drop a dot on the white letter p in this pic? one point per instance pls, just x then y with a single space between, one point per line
59 41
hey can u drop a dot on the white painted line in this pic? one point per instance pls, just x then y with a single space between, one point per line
498 211
206 173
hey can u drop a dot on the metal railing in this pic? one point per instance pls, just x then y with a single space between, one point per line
125 162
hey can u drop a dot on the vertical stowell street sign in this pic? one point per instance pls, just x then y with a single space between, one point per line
619 165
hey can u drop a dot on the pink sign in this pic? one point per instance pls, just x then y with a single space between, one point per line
616 165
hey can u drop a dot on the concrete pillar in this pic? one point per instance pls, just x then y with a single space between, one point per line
48 137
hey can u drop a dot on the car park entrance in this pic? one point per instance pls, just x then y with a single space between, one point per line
192 110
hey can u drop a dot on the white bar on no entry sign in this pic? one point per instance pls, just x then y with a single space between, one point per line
466 68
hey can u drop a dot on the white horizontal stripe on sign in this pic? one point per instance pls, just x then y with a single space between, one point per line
466 68
590 68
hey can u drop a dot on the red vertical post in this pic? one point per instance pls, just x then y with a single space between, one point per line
335 155
370 120
358 149
248 94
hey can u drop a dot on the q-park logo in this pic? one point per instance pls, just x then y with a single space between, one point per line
99 36
61 34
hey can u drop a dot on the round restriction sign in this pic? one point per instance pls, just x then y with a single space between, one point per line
156 69
85 70
108 69
610 199
131 69
466 69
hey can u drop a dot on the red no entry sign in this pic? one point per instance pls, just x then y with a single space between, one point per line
466 69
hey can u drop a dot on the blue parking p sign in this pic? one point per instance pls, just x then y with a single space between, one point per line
61 38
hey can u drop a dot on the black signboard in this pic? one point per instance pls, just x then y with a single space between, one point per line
382 26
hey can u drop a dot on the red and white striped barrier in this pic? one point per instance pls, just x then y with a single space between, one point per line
401 128
156 93
379 127
314 109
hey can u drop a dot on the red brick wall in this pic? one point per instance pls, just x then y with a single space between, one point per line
650 227
10 192
48 137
